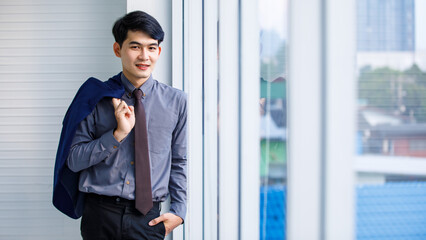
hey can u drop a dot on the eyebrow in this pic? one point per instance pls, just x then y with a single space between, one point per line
138 43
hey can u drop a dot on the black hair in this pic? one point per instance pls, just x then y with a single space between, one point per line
137 21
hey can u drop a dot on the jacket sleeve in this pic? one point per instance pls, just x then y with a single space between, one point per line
87 151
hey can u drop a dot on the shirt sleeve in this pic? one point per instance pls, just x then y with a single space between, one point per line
87 151
178 182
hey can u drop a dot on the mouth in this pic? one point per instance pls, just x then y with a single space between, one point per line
142 66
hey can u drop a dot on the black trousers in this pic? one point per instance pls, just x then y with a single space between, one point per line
117 219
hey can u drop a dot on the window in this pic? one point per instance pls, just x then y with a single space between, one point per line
273 117
391 114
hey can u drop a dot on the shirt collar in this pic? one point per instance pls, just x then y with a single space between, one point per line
146 86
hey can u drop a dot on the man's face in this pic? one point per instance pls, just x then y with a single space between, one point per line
138 54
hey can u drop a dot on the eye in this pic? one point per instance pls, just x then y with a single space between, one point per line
152 48
135 47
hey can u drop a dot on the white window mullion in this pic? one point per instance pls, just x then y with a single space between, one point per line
228 119
304 121
340 130
210 119
250 121
193 75
398 165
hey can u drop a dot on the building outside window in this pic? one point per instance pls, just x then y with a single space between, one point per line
391 115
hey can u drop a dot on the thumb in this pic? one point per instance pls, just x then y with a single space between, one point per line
156 221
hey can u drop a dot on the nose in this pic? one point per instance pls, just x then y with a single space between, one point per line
143 55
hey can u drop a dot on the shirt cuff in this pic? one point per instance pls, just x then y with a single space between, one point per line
109 142
178 209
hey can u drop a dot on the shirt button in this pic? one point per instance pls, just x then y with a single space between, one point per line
127 182
132 162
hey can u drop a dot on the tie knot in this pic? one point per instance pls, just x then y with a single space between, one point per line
137 93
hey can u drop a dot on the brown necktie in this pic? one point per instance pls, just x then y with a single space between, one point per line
143 192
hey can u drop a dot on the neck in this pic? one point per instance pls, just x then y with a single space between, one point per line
137 82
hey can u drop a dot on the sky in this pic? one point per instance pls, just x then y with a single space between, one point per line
273 15
420 23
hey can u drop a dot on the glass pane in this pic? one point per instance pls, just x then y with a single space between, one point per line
391 80
391 131
273 105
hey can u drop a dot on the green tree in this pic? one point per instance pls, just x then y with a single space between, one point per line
416 74
378 87
402 92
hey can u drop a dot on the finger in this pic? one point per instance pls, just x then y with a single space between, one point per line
119 104
156 221
122 105
115 102
132 109
123 110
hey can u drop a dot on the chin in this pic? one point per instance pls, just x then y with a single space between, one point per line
142 75
145 75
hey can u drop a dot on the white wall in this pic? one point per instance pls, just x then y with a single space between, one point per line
47 49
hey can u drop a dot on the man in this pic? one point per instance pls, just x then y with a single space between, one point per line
123 144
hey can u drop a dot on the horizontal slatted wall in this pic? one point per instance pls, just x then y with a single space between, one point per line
47 49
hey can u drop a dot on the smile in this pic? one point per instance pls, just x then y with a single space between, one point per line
142 66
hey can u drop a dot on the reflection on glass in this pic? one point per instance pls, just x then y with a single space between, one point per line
391 81
273 105
391 61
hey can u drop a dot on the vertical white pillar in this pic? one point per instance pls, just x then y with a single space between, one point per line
304 121
340 93
250 121
229 119
193 85
210 119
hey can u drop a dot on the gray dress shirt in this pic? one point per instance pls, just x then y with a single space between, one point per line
107 166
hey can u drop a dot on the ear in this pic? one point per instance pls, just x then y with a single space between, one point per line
116 48
159 51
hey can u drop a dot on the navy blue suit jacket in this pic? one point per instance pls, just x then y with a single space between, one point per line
66 196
